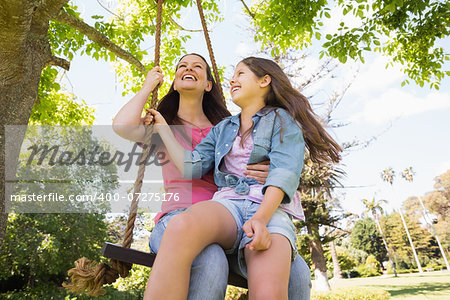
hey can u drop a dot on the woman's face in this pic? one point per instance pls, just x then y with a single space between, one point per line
191 75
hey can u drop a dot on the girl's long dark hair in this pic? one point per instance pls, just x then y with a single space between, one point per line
321 146
213 104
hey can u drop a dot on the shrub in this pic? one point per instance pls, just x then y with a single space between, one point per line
365 271
434 267
346 262
351 274
371 268
235 293
135 281
352 293
52 292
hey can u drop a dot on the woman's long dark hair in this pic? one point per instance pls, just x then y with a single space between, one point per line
321 146
212 104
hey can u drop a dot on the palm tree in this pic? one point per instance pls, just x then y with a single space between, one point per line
316 184
374 207
408 175
337 272
388 176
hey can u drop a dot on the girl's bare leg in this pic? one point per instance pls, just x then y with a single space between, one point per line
268 270
185 237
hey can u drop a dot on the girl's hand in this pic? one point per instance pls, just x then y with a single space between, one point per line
257 229
155 115
259 171
154 77
147 119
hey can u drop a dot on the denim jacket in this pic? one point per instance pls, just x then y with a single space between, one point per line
276 136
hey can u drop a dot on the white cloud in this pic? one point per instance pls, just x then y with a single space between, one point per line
242 49
375 77
396 103
442 168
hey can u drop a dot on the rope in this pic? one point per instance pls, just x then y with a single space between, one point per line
128 238
210 49
89 275
157 47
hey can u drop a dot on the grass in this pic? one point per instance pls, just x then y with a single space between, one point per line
432 285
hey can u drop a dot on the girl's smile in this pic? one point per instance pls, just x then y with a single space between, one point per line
246 87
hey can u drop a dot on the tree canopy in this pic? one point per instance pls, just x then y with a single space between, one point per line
406 31
366 237
397 239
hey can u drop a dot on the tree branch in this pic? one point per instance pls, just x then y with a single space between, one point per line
44 11
182 28
108 10
99 38
59 62
248 10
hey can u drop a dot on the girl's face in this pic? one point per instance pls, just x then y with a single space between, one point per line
246 87
191 75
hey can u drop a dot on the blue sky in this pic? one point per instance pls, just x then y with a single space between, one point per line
411 124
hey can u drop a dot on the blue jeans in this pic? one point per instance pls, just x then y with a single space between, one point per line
209 271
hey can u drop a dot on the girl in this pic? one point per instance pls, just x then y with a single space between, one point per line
193 100
244 215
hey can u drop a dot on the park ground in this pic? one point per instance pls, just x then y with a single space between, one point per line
429 285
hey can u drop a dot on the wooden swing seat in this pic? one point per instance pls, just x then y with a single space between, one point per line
133 256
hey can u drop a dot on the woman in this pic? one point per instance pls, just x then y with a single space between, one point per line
194 100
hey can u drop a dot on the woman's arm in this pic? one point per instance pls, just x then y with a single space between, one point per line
127 123
259 171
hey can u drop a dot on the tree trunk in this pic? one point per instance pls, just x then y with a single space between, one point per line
433 230
386 246
24 51
318 259
411 243
337 272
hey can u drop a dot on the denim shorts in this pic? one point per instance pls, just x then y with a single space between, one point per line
242 210
160 227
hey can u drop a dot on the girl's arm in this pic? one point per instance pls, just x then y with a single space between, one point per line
192 164
127 123
286 155
176 151
257 225
286 163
